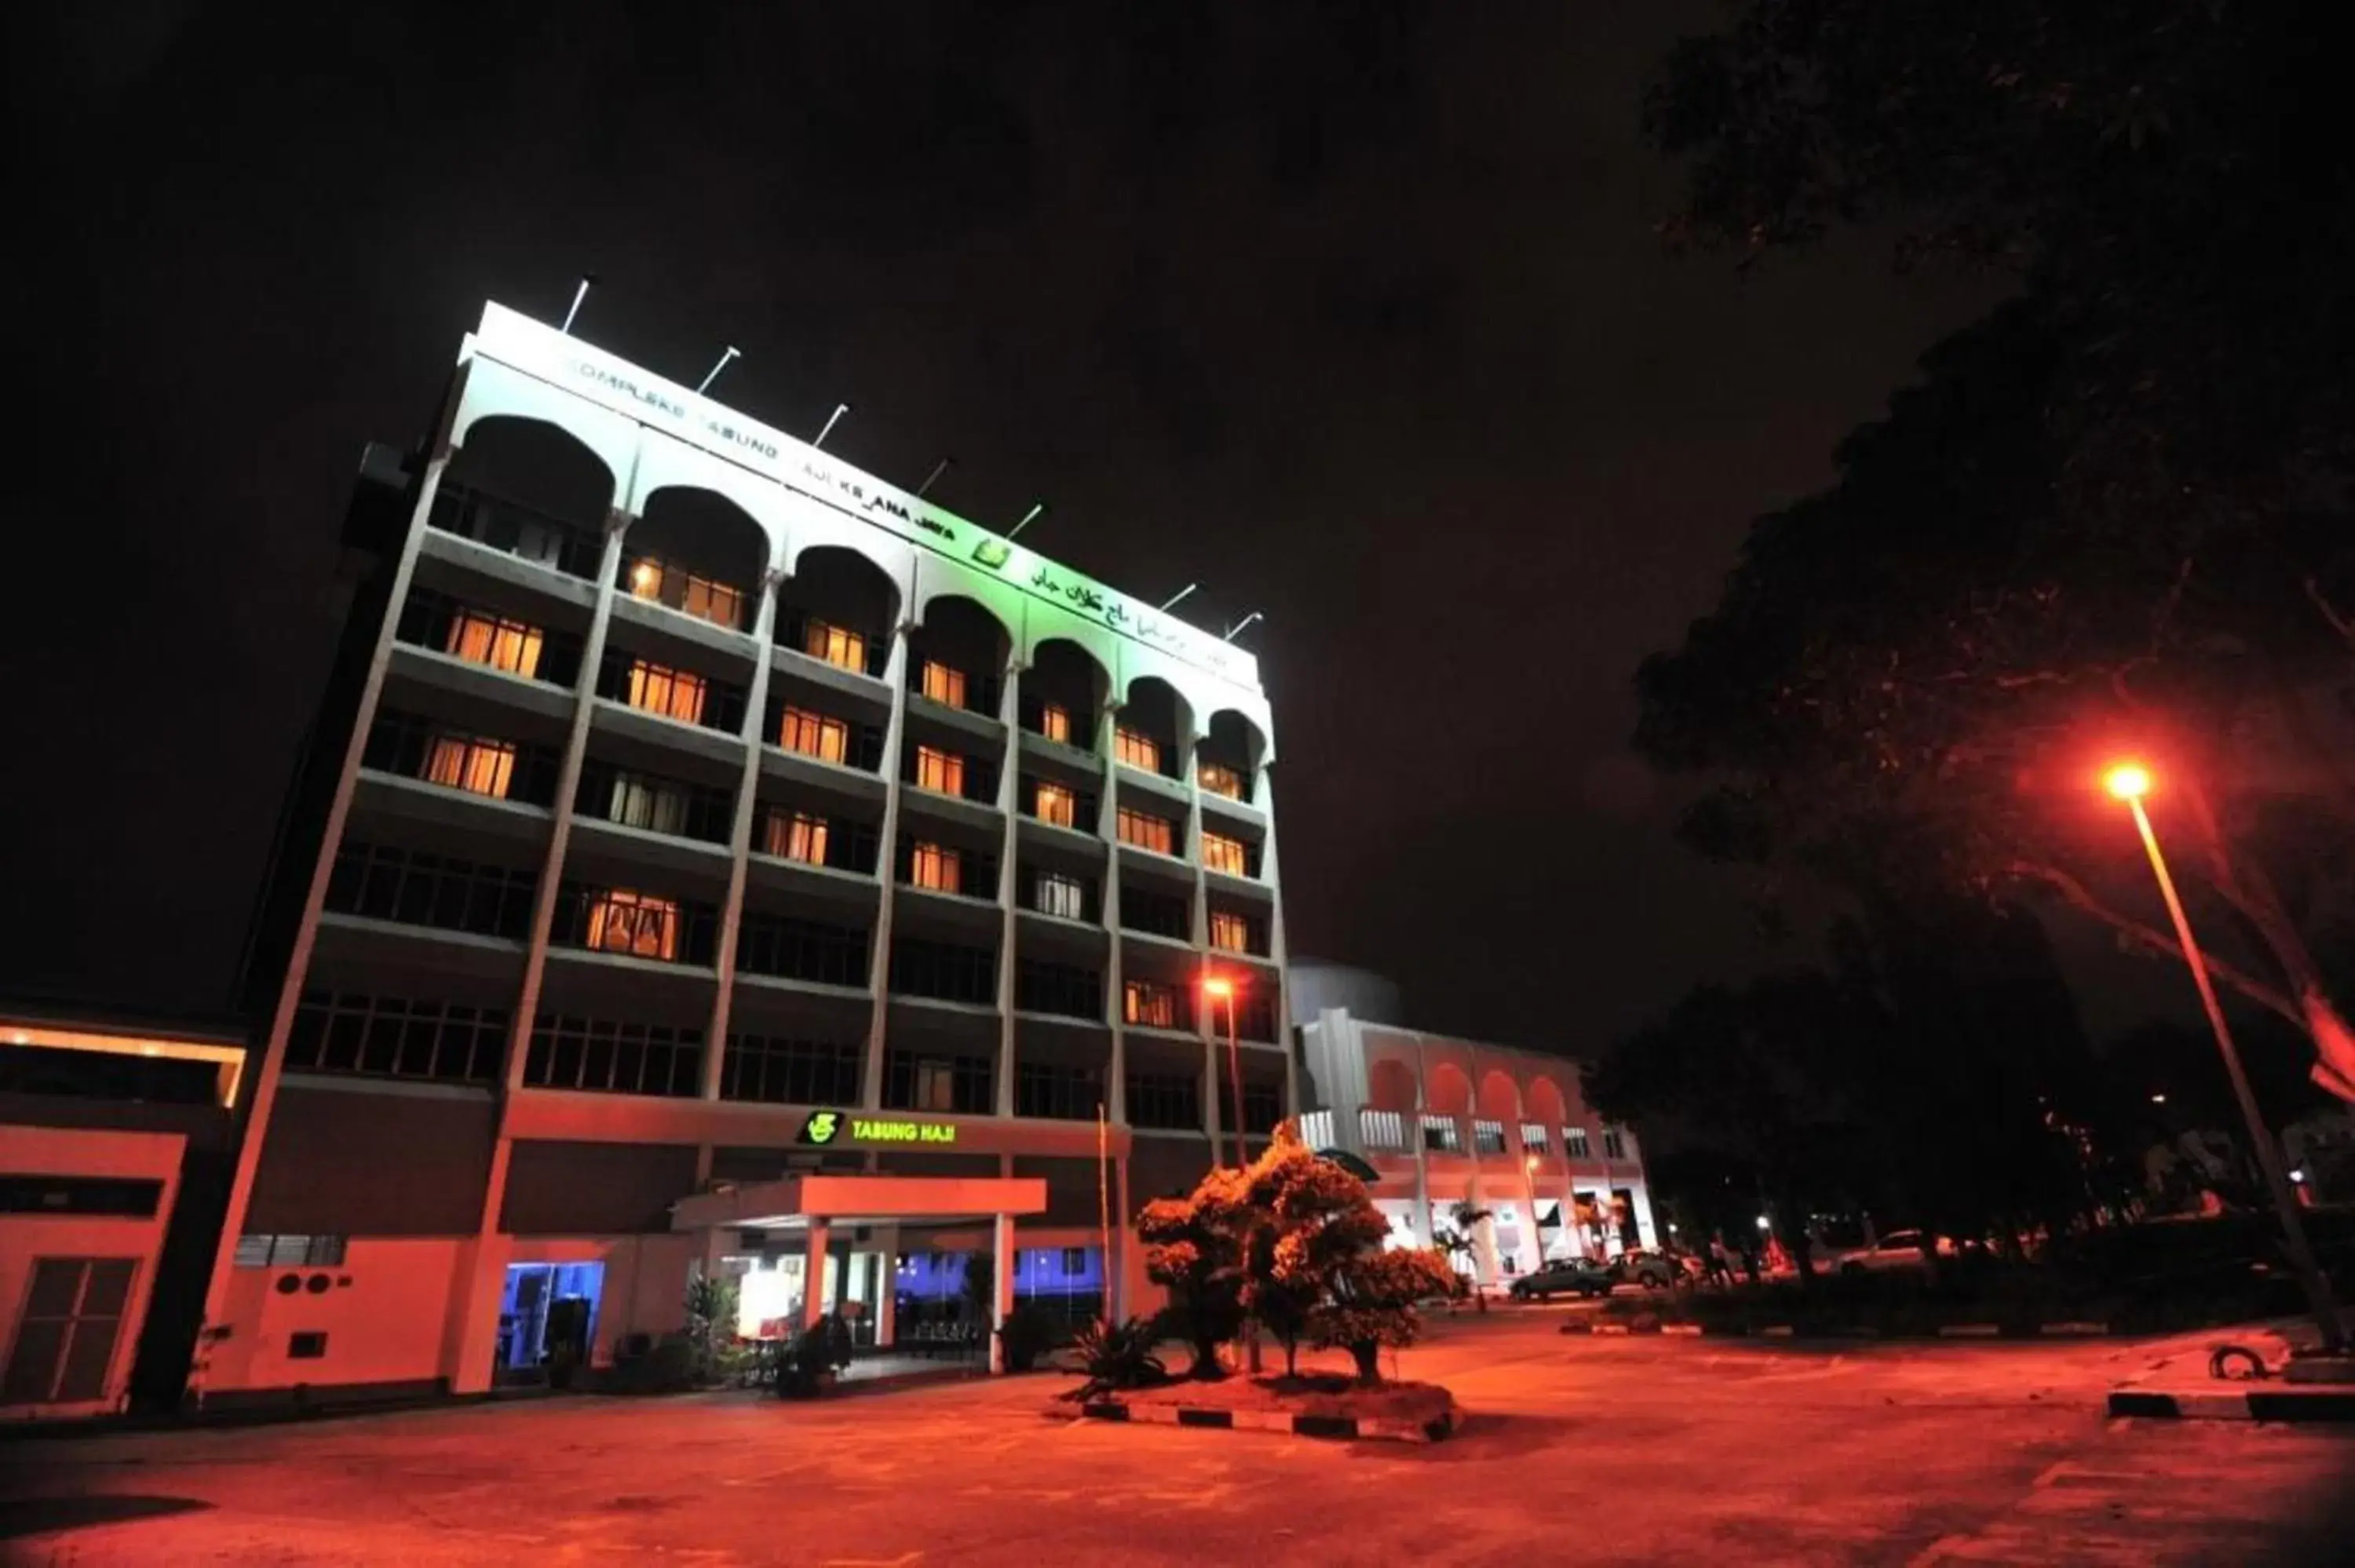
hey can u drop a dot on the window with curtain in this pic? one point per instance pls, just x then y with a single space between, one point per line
1153 1006
940 771
1216 779
797 835
937 867
1136 750
843 650
502 644
814 735
1055 723
1230 931
943 684
1146 831
635 923
1220 853
1055 803
478 766
674 693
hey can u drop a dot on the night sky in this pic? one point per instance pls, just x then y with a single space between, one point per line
1354 314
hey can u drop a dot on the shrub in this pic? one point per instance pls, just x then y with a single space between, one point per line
1031 1331
1117 1356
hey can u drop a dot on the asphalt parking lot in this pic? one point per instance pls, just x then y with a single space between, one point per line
1592 1450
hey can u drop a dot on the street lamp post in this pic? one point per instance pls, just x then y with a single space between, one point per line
1219 989
1222 990
2130 781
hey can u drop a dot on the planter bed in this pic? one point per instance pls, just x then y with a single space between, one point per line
1307 1406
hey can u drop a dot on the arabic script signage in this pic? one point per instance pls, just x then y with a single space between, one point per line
569 363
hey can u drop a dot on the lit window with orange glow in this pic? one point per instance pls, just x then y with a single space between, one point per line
1055 723
1134 750
646 579
937 867
637 924
674 693
1054 803
942 772
476 765
842 649
814 735
1220 853
1230 932
1152 1006
797 835
1216 779
943 684
1146 831
491 640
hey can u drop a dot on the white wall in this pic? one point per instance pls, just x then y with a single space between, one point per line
26 1238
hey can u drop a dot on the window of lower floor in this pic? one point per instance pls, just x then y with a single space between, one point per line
1169 1100
782 1071
1056 1090
568 1051
958 1085
1152 1004
395 1037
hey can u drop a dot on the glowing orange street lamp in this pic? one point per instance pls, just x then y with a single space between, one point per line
1217 988
2130 781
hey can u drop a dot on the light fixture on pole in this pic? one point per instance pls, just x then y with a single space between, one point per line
1217 988
1171 601
578 294
1229 635
2130 781
938 469
839 411
1027 518
713 375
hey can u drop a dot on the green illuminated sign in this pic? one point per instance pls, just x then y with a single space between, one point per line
826 1125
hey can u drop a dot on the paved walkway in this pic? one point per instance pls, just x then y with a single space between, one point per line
1594 1451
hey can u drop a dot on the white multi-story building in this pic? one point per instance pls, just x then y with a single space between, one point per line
711 856
1456 1128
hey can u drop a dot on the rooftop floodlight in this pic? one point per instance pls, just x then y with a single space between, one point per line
839 411
1229 635
578 294
1027 518
938 469
705 384
1171 601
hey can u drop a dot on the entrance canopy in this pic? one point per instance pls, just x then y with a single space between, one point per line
860 1200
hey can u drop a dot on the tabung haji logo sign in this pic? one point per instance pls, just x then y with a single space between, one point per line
826 1127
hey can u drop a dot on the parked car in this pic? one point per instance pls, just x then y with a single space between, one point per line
1652 1270
1566 1277
1898 1249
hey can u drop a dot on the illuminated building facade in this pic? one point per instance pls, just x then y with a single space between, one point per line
712 857
1449 1122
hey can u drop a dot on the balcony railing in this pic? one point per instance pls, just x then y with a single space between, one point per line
1441 1135
1382 1128
1488 1136
1533 1136
1316 1128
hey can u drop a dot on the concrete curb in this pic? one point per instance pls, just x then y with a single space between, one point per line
1286 1422
1859 1331
2309 1404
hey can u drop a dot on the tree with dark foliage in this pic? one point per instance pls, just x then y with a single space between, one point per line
2118 514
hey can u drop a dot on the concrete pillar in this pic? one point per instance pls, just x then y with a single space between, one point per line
1002 1288
887 1295
1422 1236
1009 801
740 837
886 858
814 1301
